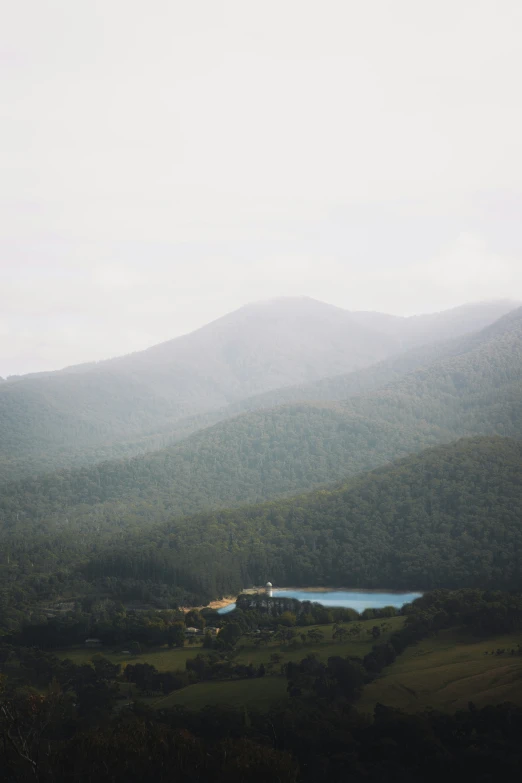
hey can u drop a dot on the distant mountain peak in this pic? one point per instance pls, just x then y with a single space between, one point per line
125 405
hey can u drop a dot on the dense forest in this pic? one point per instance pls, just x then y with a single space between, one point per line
449 517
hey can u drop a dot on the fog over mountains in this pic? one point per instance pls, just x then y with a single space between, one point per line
136 403
403 466
139 402
260 487
467 386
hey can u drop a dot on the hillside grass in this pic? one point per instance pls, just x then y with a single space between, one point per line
447 672
163 658
260 693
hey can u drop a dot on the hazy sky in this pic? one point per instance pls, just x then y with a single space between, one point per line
164 162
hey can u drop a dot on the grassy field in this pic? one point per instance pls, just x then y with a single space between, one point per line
260 692
448 671
445 672
161 657
264 691
175 659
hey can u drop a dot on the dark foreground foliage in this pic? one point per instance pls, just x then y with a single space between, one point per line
297 741
67 723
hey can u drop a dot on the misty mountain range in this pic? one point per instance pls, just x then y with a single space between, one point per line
263 355
307 436
404 461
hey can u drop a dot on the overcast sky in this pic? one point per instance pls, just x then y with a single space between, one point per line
165 162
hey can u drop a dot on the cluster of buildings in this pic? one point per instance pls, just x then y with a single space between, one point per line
201 631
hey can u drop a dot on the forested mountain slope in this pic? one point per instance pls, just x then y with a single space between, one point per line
96 411
138 403
359 382
448 517
293 448
451 517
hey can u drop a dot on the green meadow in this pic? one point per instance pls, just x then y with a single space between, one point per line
260 693
445 672
448 671
165 659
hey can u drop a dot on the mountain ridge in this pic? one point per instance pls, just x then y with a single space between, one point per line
74 418
483 312
288 449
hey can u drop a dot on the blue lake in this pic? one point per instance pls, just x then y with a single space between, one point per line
352 599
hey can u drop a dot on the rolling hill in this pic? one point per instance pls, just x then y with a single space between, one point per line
95 411
475 390
448 517
343 386
138 403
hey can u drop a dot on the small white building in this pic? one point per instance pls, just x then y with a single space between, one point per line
268 588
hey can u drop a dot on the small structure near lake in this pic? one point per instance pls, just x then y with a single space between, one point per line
93 642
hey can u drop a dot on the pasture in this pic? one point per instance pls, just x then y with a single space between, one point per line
443 672
260 693
448 671
165 659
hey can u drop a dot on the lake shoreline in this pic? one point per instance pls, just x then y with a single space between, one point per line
348 590
220 603
354 598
